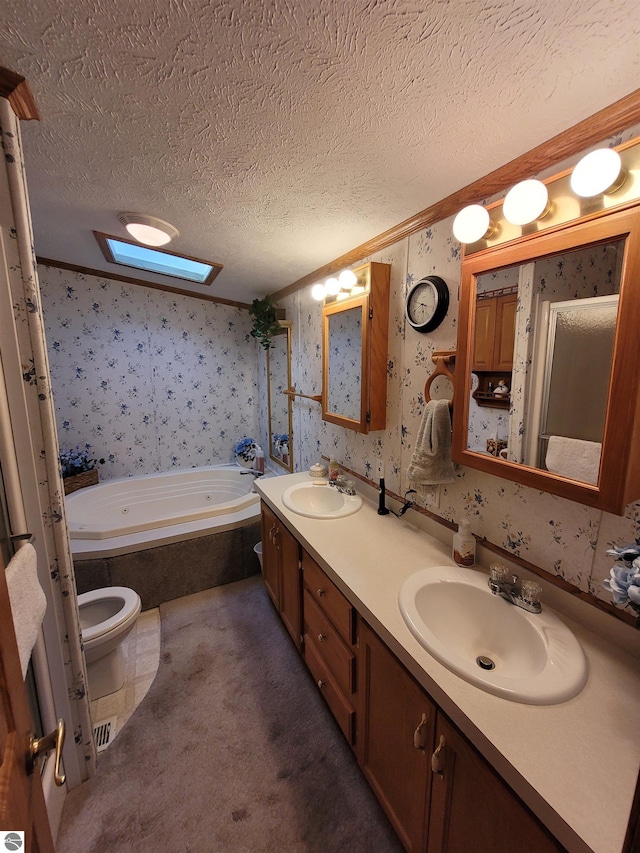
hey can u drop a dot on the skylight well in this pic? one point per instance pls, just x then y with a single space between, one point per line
129 254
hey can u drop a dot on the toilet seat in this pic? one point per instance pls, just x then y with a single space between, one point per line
130 605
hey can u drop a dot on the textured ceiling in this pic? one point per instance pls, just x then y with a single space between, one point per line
277 135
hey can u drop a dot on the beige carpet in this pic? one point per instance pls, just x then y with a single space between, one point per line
233 749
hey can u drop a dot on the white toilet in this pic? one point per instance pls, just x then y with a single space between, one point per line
107 616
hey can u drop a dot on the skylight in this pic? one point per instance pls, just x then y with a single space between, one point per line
118 251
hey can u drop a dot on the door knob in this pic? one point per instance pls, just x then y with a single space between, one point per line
40 745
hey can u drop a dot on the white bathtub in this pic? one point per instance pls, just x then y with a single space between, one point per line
133 513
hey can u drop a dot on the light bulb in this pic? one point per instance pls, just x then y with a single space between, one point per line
318 292
332 286
471 224
596 173
526 202
347 279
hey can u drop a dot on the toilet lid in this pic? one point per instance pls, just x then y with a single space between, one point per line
128 599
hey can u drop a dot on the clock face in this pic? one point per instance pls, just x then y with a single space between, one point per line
422 303
427 303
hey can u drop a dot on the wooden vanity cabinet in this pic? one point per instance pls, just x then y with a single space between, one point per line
281 572
473 809
329 643
395 738
439 793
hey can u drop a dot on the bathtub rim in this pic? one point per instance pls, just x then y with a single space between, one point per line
92 549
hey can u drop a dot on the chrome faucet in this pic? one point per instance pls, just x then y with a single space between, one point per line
345 486
525 594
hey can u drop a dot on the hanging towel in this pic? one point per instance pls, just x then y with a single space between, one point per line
431 461
28 602
574 458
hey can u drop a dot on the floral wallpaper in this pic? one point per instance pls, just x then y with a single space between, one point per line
150 380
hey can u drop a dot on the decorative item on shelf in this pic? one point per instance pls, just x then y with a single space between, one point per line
245 452
78 469
265 321
495 446
624 578
501 389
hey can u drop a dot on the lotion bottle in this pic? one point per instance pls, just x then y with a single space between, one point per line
258 462
464 545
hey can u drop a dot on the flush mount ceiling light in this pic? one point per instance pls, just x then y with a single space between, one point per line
526 202
148 229
598 172
472 224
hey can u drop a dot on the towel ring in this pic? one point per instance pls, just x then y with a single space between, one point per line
445 361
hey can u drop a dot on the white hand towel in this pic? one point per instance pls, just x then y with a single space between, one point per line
28 601
574 458
431 462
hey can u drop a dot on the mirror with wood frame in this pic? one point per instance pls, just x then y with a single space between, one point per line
279 403
548 370
354 351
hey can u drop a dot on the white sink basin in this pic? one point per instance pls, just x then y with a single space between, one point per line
319 500
452 612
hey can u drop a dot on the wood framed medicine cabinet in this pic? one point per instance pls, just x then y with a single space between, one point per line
608 243
355 329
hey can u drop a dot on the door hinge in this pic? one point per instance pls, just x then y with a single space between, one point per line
368 416
371 312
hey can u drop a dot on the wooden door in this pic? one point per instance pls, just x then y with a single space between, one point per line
22 805
395 738
270 554
473 809
290 584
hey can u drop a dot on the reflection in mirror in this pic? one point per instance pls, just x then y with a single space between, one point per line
344 396
279 404
541 360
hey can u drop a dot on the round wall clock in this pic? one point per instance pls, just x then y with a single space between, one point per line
427 303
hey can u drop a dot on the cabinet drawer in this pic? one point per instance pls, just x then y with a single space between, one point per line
337 657
340 708
329 598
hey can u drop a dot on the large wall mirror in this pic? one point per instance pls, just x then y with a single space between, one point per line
548 369
279 404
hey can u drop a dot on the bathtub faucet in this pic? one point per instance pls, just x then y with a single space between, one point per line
254 472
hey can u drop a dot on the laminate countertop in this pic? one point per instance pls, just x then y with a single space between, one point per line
575 764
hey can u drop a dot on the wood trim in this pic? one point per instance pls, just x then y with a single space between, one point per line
128 279
618 116
15 89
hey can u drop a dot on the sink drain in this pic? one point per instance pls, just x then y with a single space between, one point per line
484 662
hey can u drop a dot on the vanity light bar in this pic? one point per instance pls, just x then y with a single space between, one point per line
342 287
603 179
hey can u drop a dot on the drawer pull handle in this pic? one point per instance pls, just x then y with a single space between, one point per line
417 735
437 762
320 593
321 683
321 638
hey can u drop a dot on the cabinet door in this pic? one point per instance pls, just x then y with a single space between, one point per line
290 583
271 554
395 738
505 332
484 334
473 809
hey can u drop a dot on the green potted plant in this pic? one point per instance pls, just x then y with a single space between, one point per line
265 322
78 468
